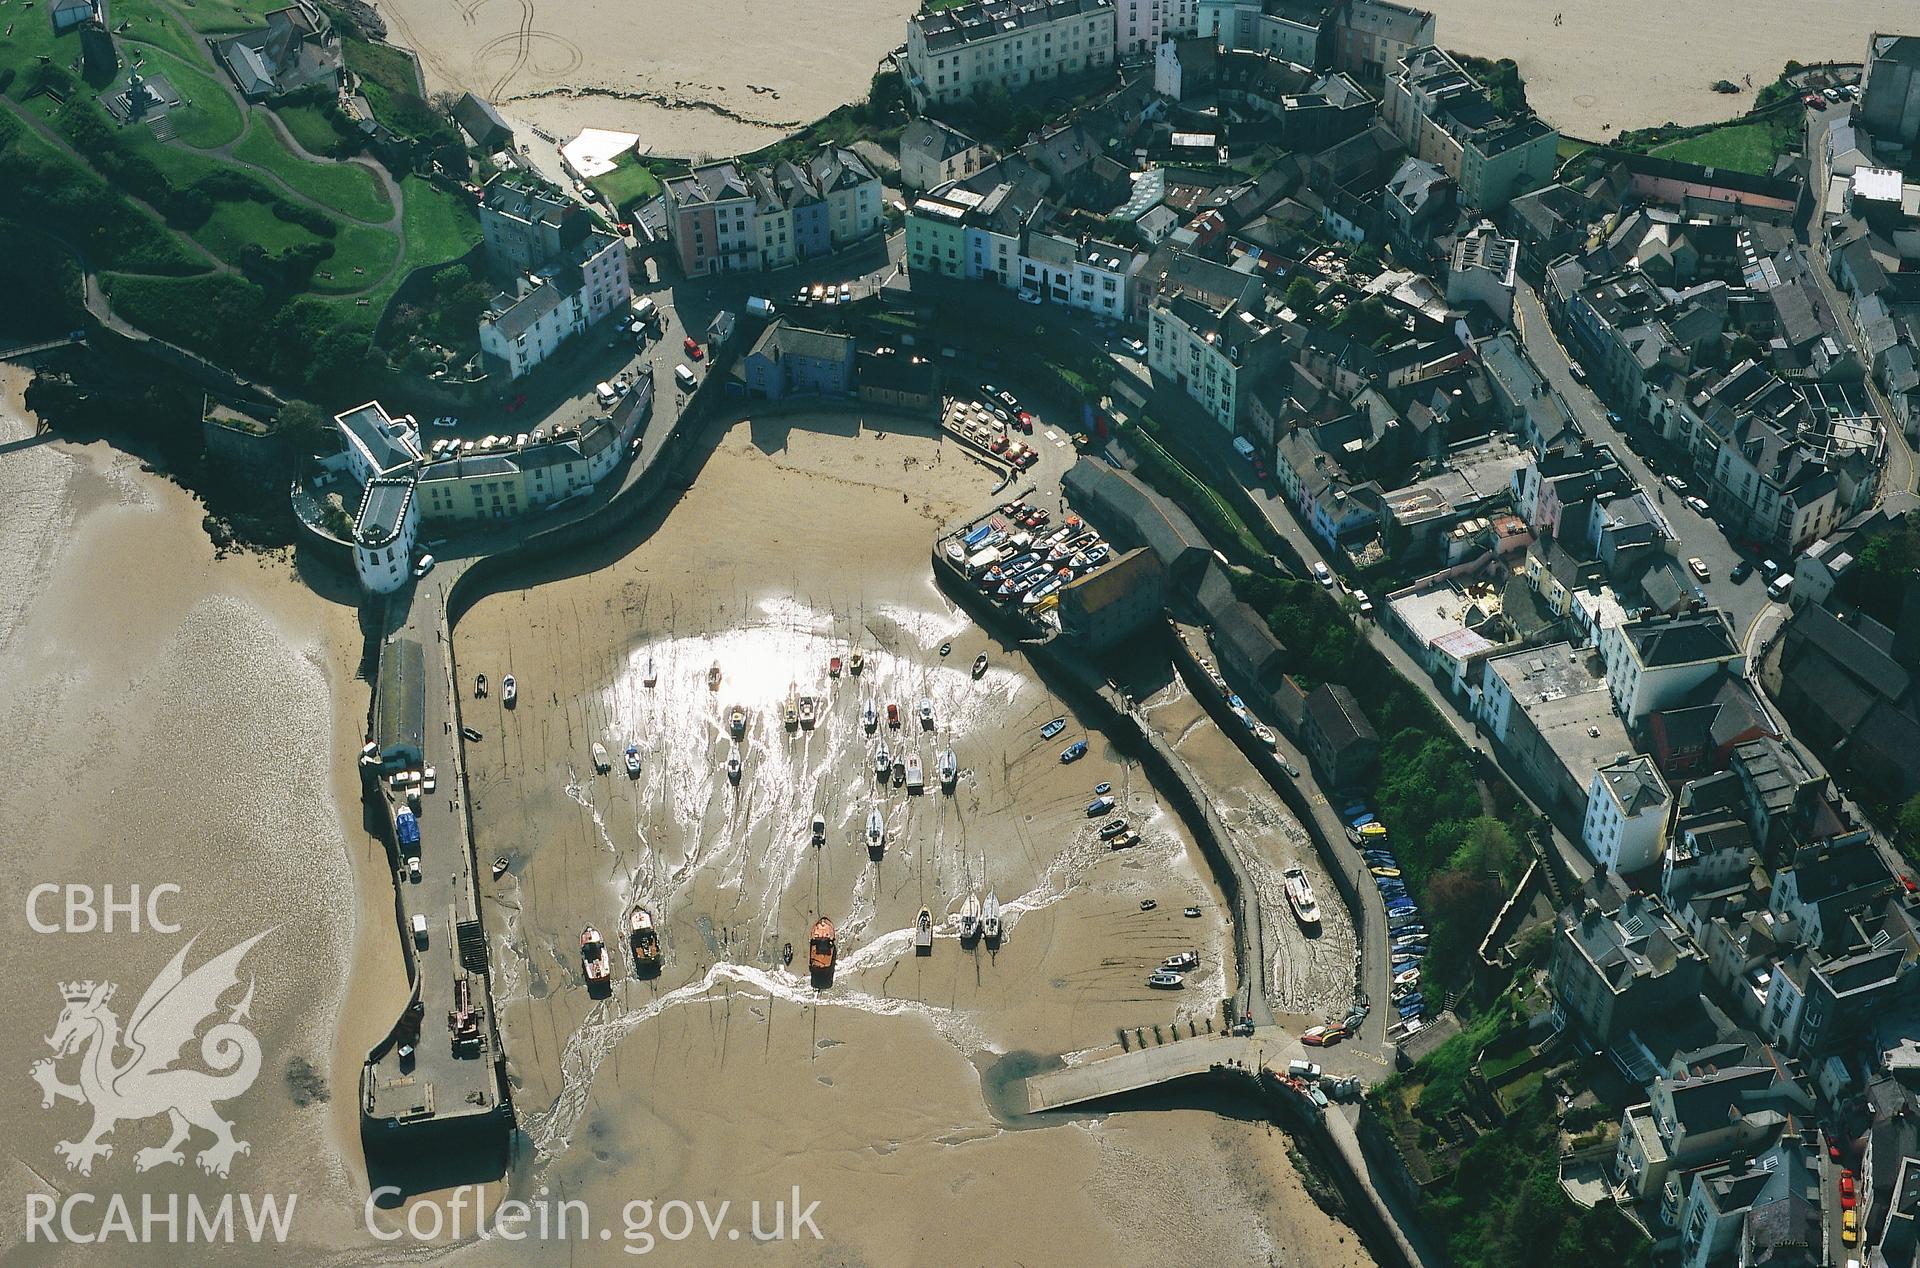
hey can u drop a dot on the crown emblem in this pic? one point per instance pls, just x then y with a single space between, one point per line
81 992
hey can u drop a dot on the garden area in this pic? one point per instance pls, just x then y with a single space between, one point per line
1485 1148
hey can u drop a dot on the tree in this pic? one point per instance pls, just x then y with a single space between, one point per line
1302 295
1908 825
305 428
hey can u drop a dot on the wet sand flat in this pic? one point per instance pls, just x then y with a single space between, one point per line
175 719
1639 63
729 1076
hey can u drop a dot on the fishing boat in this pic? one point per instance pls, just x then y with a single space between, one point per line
633 761
822 950
1125 841
979 664
916 780
876 829
500 867
733 768
479 686
509 691
1300 895
923 932
1163 981
593 954
899 771
790 714
786 953
649 677
643 942
1045 589
600 762
713 676
1053 728
737 722
1148 904
1406 977
893 715
946 649
833 667
806 711
949 769
870 717
1181 963
990 918
970 918
857 662
882 760
926 711
819 828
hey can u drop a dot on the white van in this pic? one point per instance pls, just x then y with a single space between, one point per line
420 931
1780 588
644 309
1303 1069
758 307
605 394
683 375
1243 447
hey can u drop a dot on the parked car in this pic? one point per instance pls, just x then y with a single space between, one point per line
1136 347
424 567
1026 296
692 345
1698 505
1675 483
1293 772
1323 574
1366 604
1698 567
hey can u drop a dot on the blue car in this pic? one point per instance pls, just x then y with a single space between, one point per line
1073 752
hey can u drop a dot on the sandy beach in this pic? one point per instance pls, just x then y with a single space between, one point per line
1638 63
690 78
728 1076
173 718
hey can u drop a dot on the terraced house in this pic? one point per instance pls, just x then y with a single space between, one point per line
727 218
974 48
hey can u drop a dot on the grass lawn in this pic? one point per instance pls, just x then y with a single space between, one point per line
223 17
31 39
311 128
439 225
238 224
1739 147
345 187
151 25
627 184
208 116
361 247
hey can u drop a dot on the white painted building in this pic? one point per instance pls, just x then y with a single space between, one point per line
384 532
376 443
1011 44
1653 663
523 328
1626 824
1142 24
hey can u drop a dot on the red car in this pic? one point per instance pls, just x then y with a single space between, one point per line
1846 1184
999 444
693 348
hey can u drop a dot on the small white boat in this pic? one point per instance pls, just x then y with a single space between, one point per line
857 662
876 829
737 722
926 710
1406 977
979 664
509 691
649 677
970 918
916 780
713 676
790 715
923 932
806 711
600 762
1300 894
949 769
633 761
733 768
1164 981
1181 963
870 718
882 761
990 918
819 828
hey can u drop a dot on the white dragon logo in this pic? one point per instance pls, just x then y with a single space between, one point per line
144 1085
